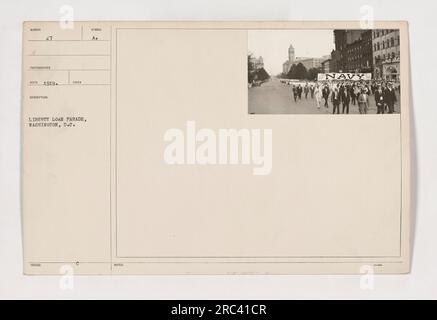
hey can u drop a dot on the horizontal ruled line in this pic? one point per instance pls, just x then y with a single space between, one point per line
68 55
236 262
72 84
42 69
61 40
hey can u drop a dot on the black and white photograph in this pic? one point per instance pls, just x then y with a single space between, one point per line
340 71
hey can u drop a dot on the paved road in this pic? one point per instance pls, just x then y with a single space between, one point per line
274 97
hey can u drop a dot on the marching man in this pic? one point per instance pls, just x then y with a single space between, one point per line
379 100
390 97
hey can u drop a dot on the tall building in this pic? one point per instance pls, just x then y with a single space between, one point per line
386 54
359 54
289 62
291 55
334 65
353 51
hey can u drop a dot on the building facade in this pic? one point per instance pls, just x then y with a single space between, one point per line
334 65
310 63
326 66
285 67
386 54
353 51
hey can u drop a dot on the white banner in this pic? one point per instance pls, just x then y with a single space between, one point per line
344 76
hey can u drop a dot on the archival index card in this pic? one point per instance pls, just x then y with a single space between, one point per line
215 148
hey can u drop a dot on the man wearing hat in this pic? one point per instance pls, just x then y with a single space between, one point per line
379 100
390 97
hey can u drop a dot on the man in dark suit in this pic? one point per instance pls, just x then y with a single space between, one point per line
295 92
345 97
306 90
336 100
354 96
299 91
325 95
379 100
390 98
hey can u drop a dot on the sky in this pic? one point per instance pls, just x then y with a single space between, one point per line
273 45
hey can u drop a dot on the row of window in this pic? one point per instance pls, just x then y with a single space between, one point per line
356 66
383 32
389 43
388 56
355 58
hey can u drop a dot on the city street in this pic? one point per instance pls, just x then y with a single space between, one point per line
274 97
